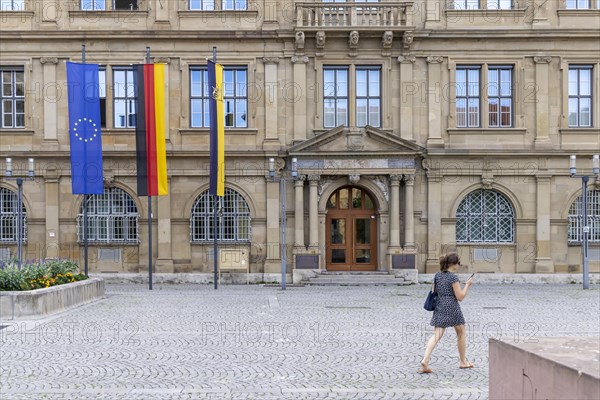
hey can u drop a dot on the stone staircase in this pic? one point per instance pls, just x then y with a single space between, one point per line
356 278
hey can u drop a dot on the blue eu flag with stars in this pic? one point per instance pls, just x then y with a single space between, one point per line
84 127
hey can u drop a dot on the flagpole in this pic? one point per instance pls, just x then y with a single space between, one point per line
215 214
85 203
149 213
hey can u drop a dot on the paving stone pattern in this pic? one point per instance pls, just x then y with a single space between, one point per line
258 342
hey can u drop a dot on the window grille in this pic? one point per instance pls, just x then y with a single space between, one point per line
112 218
575 234
233 218
9 216
485 216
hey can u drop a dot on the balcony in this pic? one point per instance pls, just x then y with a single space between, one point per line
355 16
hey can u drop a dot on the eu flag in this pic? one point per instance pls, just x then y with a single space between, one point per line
84 127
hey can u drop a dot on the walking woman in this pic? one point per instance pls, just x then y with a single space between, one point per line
447 310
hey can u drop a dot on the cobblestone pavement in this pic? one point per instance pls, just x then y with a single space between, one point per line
258 342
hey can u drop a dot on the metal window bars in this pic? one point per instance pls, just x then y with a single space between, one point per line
9 216
485 216
234 218
575 233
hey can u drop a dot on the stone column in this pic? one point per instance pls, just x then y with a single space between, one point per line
313 233
52 235
542 112
394 211
434 101
409 214
299 212
434 221
271 94
408 89
543 259
299 102
164 260
50 95
273 254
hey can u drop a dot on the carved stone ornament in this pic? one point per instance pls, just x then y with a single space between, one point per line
487 182
395 179
407 59
109 179
271 60
324 183
542 59
597 184
386 42
299 44
320 38
162 60
314 178
382 184
353 179
425 164
409 179
407 40
299 59
49 60
353 43
435 59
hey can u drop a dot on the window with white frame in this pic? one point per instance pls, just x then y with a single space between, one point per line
466 4
578 4
580 96
202 5
499 4
575 234
112 217
9 215
499 97
124 102
485 216
12 5
235 82
233 222
12 97
93 5
467 96
234 5
364 107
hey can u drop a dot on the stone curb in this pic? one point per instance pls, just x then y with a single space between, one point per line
42 302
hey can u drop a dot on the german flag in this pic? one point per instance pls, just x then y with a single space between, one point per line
151 154
217 129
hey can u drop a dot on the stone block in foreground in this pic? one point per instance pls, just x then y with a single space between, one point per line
545 368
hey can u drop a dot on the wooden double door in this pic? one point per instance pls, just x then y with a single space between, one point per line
351 231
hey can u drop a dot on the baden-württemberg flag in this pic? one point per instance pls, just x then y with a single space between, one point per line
217 129
150 127
84 128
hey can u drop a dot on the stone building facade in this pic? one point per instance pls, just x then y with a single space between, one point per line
418 127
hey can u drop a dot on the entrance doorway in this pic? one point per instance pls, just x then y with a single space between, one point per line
351 231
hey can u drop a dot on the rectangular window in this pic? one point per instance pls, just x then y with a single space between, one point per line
124 102
499 4
12 5
467 97
12 96
580 96
335 96
234 5
93 5
235 81
102 95
202 5
125 5
500 97
578 4
368 96
466 4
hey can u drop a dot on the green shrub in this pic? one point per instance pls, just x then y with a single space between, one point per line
11 278
41 274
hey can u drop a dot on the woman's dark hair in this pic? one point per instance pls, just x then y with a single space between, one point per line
448 260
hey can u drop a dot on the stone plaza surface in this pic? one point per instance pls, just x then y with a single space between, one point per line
259 342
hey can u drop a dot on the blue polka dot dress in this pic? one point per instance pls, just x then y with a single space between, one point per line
447 310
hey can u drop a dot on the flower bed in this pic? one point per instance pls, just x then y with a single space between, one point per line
38 275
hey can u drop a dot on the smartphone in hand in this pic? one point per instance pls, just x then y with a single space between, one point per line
472 275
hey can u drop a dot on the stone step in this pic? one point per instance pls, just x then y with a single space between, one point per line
350 282
354 278
375 273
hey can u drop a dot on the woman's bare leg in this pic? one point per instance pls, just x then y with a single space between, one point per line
433 341
461 338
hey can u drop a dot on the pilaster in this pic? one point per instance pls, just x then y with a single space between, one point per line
299 211
271 115
407 88
299 97
52 189
542 111
434 221
434 103
164 260
273 254
543 260
50 96
313 219
409 213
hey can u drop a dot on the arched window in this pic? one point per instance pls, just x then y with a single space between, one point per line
112 218
9 215
576 218
233 220
485 216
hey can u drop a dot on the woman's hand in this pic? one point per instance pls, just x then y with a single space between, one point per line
469 282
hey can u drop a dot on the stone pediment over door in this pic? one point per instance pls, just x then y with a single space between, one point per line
358 142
